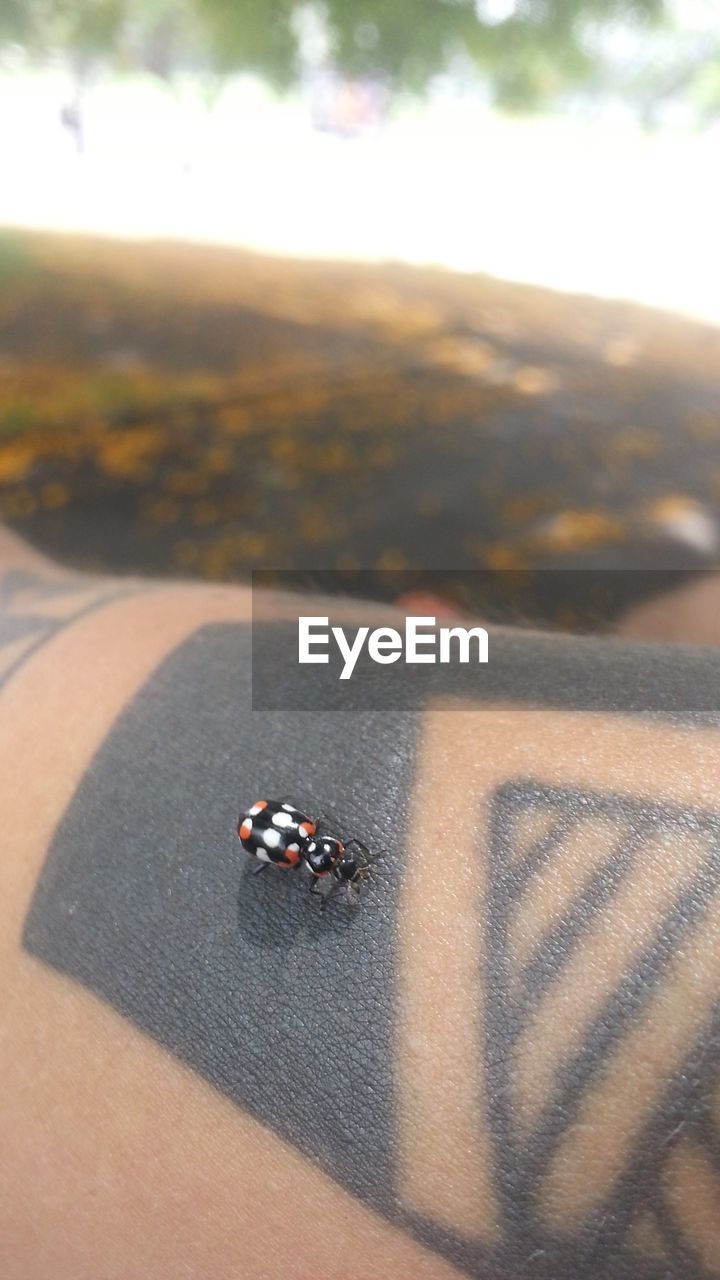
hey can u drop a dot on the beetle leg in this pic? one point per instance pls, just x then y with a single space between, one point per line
317 892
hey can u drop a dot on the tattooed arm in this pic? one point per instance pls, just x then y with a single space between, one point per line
504 1062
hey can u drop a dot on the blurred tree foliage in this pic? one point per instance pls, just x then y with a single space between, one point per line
528 50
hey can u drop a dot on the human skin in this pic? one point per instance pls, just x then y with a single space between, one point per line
501 1061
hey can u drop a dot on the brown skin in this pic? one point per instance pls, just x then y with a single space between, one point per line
120 1163
690 614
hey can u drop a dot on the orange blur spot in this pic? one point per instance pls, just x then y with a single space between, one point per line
245 830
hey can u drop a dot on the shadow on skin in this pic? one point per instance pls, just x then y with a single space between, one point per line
276 907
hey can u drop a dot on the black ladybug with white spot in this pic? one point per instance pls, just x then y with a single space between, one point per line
275 831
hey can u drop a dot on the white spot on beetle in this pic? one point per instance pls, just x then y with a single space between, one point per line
283 819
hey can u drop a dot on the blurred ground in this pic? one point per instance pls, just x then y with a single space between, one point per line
179 409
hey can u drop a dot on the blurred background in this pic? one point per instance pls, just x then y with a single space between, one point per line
427 286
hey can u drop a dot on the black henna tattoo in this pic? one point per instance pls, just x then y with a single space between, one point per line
594 1148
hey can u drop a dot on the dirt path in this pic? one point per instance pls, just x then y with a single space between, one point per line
174 409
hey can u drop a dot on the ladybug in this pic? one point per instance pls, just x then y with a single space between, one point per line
277 831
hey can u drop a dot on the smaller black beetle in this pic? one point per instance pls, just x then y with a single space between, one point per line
276 831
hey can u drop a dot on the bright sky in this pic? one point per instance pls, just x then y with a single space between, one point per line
599 208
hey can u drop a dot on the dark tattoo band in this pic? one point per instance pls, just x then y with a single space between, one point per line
596 1109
